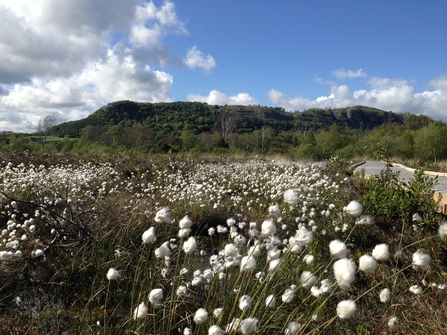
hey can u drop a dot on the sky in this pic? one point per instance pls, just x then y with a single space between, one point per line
69 58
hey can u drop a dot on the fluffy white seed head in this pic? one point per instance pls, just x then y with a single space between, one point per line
163 251
416 289
248 326
270 301
354 208
385 295
442 230
381 252
231 250
200 316
268 228
420 260
307 279
346 309
185 222
303 236
163 215
344 271
393 322
113 274
248 263
155 297
245 302
140 311
149 236
291 197
215 330
293 328
367 264
338 249
190 245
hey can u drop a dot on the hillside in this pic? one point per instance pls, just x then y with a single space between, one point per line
201 117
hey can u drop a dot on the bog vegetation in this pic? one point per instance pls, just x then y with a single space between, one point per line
120 244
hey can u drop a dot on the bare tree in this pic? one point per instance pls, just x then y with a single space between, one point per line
227 124
44 126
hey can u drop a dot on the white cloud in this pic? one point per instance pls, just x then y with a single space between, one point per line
195 58
385 93
218 98
68 58
342 73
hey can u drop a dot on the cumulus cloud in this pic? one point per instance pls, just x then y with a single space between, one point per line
384 93
68 58
342 73
218 98
195 58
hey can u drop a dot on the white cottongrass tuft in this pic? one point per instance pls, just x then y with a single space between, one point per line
185 222
393 322
248 326
200 316
344 271
268 228
308 259
231 250
385 295
416 289
245 302
338 249
288 295
274 210
163 251
190 245
307 279
291 197
149 236
292 328
113 274
217 312
270 301
155 297
442 230
367 264
163 215
354 208
420 260
365 220
248 263
346 309
303 236
38 253
215 330
140 311
381 252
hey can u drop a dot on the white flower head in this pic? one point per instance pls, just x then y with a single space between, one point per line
442 230
307 279
344 271
354 208
217 312
231 250
293 328
381 252
291 197
416 289
190 245
248 263
274 210
231 222
268 228
393 322
288 295
367 264
270 301
185 222
155 297
346 309
385 295
200 316
163 215
140 311
113 274
420 260
248 326
163 250
215 330
303 236
338 249
245 302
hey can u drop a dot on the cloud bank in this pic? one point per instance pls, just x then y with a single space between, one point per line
68 58
384 93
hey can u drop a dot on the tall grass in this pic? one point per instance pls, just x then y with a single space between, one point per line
240 247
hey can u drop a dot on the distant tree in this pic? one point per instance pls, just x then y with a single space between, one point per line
44 126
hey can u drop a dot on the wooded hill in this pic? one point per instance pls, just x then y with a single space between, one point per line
199 117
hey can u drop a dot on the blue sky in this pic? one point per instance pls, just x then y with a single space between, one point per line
67 60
